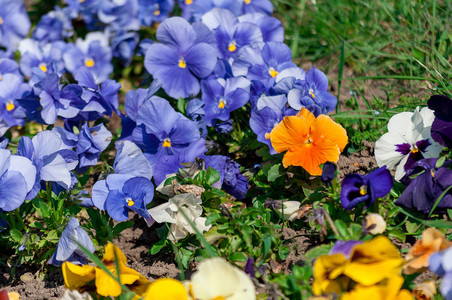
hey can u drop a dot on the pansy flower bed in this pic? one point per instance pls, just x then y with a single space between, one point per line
193 124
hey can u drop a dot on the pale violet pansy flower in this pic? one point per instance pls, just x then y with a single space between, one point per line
170 212
408 140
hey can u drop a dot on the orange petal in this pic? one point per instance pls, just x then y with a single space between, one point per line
324 128
307 115
291 131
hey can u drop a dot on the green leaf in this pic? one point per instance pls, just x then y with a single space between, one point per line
122 226
273 173
317 251
181 103
238 256
266 246
342 228
412 227
399 234
15 235
158 246
212 176
52 236
440 162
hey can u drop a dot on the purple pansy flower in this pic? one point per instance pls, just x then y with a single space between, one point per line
365 189
423 191
230 34
8 66
195 112
328 172
257 6
344 247
180 59
17 177
123 45
223 96
193 10
442 125
14 23
67 248
312 93
271 28
119 15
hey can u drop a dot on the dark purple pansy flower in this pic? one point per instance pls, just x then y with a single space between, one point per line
68 248
14 23
344 247
365 189
312 93
442 125
152 11
230 34
328 172
53 26
268 112
231 180
423 191
223 96
413 156
180 60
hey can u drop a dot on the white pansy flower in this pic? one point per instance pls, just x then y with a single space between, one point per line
408 140
218 279
170 213
375 224
291 209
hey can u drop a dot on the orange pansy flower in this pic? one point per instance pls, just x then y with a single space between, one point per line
309 141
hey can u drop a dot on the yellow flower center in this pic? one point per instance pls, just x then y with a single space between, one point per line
363 190
130 202
267 135
157 11
188 2
89 62
222 104
43 67
220 297
0 77
166 143
82 1
433 173
10 106
273 72
1 20
414 150
247 1
232 47
311 93
182 63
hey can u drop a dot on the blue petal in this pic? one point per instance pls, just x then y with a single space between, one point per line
12 193
380 181
116 206
130 160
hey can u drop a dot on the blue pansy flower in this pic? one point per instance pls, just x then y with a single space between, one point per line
68 249
195 112
268 112
230 34
193 10
180 60
440 263
94 53
48 154
167 137
17 177
53 26
8 66
14 23
257 6
312 93
224 127
154 11
123 45
129 188
119 15
223 96
11 89
95 101
365 189
271 28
